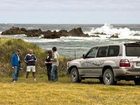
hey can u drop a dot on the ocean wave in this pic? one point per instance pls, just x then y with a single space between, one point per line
19 36
108 31
40 40
73 38
61 39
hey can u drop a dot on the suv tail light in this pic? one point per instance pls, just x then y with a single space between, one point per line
124 63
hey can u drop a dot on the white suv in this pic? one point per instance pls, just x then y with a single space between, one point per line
108 63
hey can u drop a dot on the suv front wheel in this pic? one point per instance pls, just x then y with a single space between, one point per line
108 77
75 75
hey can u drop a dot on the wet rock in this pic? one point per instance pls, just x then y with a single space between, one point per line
13 31
63 33
76 32
50 35
33 32
44 34
114 36
54 34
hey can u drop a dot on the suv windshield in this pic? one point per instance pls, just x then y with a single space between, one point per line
92 53
133 49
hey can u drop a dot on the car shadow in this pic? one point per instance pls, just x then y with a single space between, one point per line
119 83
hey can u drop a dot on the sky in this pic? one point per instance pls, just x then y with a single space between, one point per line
70 11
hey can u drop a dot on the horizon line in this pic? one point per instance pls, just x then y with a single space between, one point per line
75 23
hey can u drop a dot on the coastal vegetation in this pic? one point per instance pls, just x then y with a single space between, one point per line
62 92
8 46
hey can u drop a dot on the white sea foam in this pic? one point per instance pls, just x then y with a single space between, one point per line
74 38
40 40
108 30
61 39
71 38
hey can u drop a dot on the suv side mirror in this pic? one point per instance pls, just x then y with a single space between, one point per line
84 56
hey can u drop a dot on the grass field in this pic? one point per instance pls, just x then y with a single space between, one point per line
63 92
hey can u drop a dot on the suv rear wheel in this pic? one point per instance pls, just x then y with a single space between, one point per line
137 81
108 77
75 75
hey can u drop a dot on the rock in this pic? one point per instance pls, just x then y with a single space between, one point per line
137 34
76 32
114 36
50 35
14 30
101 33
73 32
33 32
23 29
45 34
63 33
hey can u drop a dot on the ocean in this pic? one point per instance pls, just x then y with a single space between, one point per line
75 47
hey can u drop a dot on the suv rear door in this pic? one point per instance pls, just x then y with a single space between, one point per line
132 52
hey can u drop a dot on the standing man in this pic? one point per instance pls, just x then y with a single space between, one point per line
15 62
30 60
55 64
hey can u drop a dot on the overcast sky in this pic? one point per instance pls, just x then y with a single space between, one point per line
70 11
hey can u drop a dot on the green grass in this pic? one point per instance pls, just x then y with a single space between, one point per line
63 92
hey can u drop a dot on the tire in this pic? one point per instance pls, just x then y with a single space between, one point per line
108 77
75 75
137 81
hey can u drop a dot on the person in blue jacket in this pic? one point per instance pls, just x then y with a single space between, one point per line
15 62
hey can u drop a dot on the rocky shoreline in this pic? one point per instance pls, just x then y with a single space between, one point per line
45 34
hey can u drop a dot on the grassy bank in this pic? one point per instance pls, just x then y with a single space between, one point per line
8 46
42 92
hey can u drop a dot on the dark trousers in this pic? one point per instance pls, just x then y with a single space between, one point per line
49 67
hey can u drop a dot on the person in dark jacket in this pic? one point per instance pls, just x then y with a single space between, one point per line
15 62
30 59
48 63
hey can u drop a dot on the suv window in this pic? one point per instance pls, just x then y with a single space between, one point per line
102 52
92 53
113 51
132 49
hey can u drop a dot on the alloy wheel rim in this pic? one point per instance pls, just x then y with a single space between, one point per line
107 77
74 75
